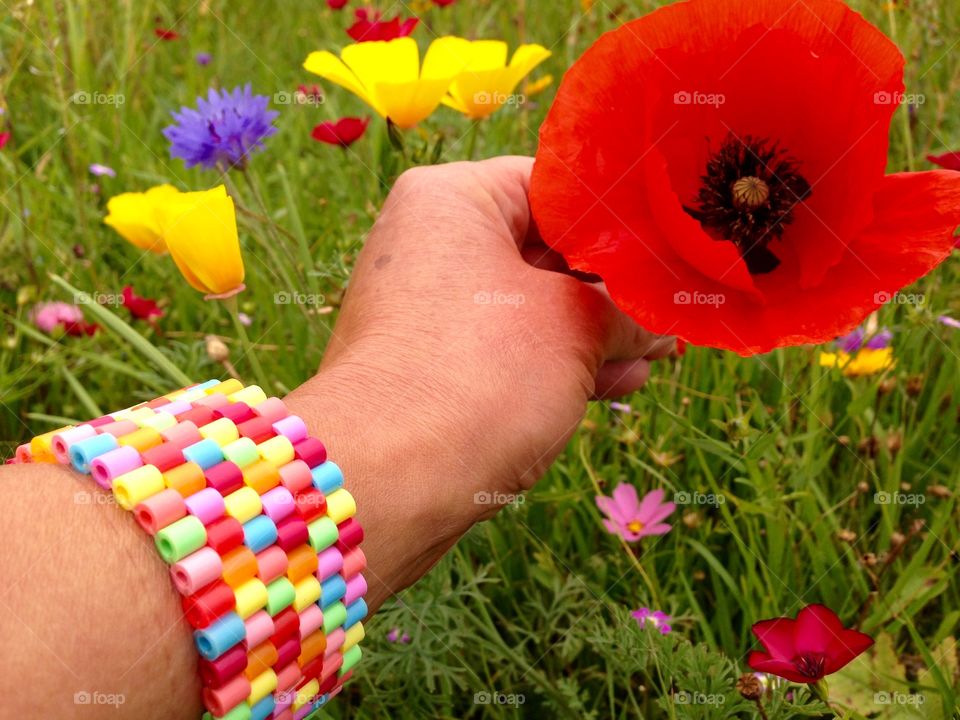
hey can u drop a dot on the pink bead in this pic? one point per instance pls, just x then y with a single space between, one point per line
353 562
63 440
271 564
272 409
295 476
213 401
287 678
118 428
23 453
356 589
303 711
291 426
158 511
182 434
207 505
174 408
334 643
196 570
329 562
285 714
102 420
259 628
278 503
222 700
113 464
311 620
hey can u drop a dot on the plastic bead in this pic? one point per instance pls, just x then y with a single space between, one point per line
164 456
222 700
186 479
306 694
308 591
286 624
261 686
224 477
199 416
196 570
203 608
356 612
250 597
287 677
331 590
259 533
83 452
117 428
332 664
205 453
354 634
216 673
213 401
263 709
351 533
260 627
228 387
137 485
222 431
23 454
277 503
214 641
296 476
251 395
182 435
281 594
113 464
313 669
173 407
333 617
207 505
335 641
288 651
244 504
354 562
350 658
159 421
160 510
310 504
260 658
311 620
61 442
141 439
240 712
292 427
329 562
271 563
262 476
224 535
340 506
312 647
292 533
271 409
236 412
181 538
301 561
41 447
257 429
356 589
241 452
323 534
277 450
311 451
327 477
239 566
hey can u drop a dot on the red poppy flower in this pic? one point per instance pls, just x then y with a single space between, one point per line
166 34
343 132
948 161
140 308
337 4
690 161
80 328
369 27
806 649
4 139
443 3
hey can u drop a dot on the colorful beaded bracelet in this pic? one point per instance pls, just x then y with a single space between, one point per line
257 529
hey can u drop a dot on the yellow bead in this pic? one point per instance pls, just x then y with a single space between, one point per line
252 395
137 485
352 636
308 592
159 421
340 506
244 504
251 596
223 431
192 396
305 694
262 685
140 415
41 447
227 387
278 451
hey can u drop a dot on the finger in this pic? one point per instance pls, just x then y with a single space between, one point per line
619 378
626 340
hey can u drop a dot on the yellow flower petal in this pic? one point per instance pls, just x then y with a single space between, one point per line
382 61
446 58
330 67
200 229
487 82
866 362
135 217
535 87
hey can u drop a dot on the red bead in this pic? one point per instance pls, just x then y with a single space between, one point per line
310 504
158 402
288 652
351 535
257 429
238 412
313 669
311 451
327 685
165 456
104 420
199 416
225 534
292 533
224 477
209 604
286 625
218 672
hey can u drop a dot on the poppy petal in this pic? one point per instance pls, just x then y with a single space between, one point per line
761 662
776 635
851 644
816 630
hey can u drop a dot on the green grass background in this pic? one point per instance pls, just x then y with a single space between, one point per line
535 602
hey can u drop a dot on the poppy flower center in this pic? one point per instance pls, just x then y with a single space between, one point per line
635 526
810 665
748 195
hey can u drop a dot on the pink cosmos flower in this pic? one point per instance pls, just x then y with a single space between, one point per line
632 519
656 618
51 315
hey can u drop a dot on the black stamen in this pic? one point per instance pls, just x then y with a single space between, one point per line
810 665
748 195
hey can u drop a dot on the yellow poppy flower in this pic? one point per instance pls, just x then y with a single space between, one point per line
387 74
135 216
535 87
867 361
200 229
488 82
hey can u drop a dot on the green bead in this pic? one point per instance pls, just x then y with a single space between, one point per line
350 658
181 538
243 452
280 595
240 712
323 534
334 616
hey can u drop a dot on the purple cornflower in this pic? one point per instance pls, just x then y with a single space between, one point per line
223 130
395 636
949 321
858 340
203 58
657 618
101 170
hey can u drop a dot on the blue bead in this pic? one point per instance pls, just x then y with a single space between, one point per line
331 590
259 533
327 477
356 612
85 451
215 640
263 709
205 453
206 385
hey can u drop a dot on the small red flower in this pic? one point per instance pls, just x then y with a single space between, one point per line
337 4
80 328
806 649
4 139
689 162
948 161
311 93
343 132
140 308
443 3
164 34
369 27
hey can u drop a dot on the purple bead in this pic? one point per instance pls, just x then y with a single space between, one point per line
206 505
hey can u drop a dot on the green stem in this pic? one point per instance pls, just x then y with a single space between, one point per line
822 693
473 132
905 114
233 308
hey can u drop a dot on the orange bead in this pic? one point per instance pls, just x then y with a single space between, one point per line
239 565
142 439
261 476
186 479
301 561
263 656
312 646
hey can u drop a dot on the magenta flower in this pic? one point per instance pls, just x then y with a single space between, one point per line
100 170
632 519
395 636
49 316
949 321
657 618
